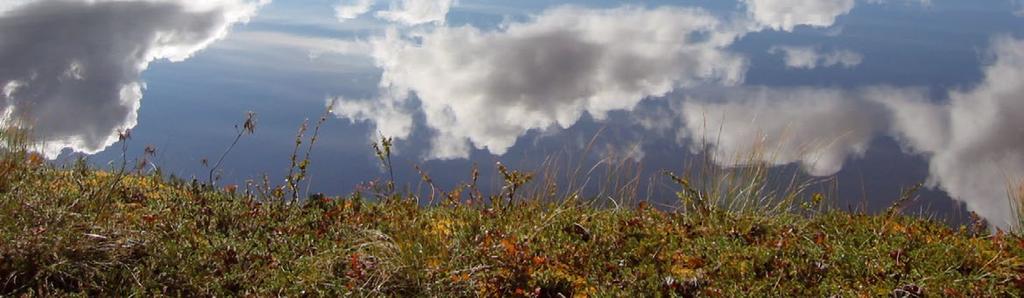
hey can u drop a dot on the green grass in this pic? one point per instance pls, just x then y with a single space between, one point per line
79 231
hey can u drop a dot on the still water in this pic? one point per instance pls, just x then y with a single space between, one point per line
874 95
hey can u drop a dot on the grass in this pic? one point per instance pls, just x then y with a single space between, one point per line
76 230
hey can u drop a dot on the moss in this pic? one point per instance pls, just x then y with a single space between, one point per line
81 231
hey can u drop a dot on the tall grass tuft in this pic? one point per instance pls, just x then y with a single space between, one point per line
1015 195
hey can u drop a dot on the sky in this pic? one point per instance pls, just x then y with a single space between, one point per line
875 95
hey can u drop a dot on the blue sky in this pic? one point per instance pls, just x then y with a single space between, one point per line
877 94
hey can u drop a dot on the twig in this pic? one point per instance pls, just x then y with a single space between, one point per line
248 127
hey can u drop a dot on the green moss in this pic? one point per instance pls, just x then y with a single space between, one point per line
75 231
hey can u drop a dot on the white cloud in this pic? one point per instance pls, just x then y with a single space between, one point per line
391 119
788 14
819 128
485 89
11 4
414 12
288 54
920 2
406 12
71 69
975 141
811 57
315 46
350 9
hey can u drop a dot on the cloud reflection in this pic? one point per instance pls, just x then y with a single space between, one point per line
485 89
71 69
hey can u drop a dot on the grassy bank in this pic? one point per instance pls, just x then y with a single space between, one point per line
77 230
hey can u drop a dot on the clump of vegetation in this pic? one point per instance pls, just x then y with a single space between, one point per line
78 230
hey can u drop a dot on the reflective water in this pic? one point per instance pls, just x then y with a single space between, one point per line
880 94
